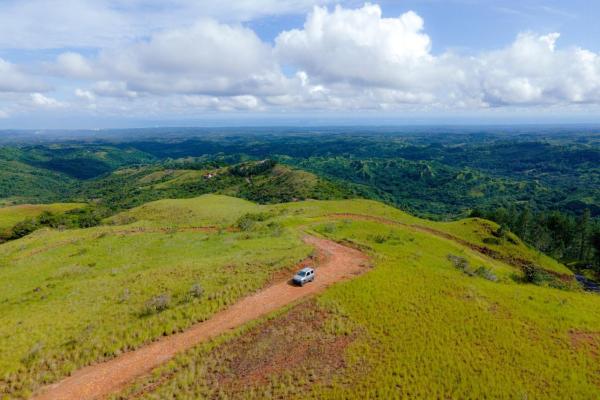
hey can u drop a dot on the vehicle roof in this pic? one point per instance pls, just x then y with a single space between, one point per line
306 269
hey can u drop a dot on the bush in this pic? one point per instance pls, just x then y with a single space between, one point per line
247 221
491 240
329 228
533 274
462 264
196 291
458 262
156 304
486 273
379 238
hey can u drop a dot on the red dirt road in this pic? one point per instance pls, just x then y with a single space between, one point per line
98 381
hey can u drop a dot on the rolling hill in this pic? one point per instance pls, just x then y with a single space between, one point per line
448 309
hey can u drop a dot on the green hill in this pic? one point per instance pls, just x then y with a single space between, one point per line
259 181
12 215
445 313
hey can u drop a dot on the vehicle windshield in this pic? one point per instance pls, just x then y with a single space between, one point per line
301 273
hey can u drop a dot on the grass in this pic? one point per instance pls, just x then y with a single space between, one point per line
419 328
415 326
471 230
208 210
10 216
71 298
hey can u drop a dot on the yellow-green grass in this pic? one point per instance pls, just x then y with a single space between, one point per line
208 210
10 216
223 211
168 178
68 299
472 230
419 328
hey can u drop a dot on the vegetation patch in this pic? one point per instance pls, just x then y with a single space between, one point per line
285 355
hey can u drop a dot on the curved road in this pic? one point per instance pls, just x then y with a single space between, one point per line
100 380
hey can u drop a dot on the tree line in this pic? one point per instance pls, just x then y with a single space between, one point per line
574 240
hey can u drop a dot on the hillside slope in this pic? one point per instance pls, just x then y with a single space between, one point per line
259 181
438 316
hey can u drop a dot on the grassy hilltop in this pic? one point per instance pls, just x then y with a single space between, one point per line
459 310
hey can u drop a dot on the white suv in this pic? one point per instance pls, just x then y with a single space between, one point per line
303 276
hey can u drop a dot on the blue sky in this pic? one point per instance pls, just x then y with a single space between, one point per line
109 63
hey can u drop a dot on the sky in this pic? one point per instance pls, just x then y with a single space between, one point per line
126 63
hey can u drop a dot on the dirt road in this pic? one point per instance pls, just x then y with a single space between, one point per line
97 381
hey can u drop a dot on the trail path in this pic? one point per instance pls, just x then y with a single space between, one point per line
99 380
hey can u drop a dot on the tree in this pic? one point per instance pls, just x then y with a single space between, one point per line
595 244
583 230
523 224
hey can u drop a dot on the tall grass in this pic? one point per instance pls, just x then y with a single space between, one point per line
423 328
68 299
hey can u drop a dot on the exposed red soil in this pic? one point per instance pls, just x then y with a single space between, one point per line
295 341
486 251
588 341
98 381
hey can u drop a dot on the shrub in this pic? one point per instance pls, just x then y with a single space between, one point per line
247 221
276 228
458 262
329 228
156 304
533 274
379 238
196 291
462 264
491 240
486 273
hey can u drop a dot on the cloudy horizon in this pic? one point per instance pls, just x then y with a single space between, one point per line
86 63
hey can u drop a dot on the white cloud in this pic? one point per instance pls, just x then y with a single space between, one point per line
340 59
12 79
357 46
113 89
208 58
41 101
533 71
34 24
85 94
73 65
3 114
388 61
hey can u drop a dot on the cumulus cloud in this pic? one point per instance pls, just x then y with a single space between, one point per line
34 24
12 79
357 45
208 58
340 59
85 94
533 71
73 65
389 60
41 101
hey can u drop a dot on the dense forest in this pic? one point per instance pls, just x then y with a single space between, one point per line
542 184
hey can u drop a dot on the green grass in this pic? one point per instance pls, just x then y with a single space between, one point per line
419 328
71 298
472 230
417 325
207 210
10 216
